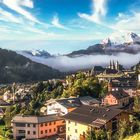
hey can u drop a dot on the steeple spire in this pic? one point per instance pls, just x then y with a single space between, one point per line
110 64
113 65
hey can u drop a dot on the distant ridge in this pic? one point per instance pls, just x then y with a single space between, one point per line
37 53
17 68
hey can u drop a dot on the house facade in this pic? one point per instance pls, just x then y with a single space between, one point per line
119 97
60 106
85 118
33 127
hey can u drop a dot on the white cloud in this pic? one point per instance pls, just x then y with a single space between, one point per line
25 33
16 6
128 23
56 23
27 3
8 17
99 10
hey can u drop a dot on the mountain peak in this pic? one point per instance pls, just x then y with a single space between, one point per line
119 38
38 53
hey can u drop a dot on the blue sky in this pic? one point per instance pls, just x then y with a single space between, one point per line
61 26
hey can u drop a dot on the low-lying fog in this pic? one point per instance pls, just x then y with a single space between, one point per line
65 64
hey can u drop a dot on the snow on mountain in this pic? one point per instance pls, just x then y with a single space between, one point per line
121 38
37 53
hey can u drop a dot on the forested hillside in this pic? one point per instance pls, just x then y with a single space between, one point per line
17 68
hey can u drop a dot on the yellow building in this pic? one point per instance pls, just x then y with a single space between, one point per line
82 119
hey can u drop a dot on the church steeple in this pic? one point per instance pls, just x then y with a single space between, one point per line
117 65
110 65
113 65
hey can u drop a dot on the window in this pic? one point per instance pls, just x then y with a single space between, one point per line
69 121
46 131
68 129
34 125
21 131
68 137
41 132
50 123
84 134
28 125
54 123
34 133
45 124
54 129
20 124
28 132
41 125
75 124
50 130
75 130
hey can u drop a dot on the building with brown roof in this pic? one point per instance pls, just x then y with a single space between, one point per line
35 127
85 118
117 97
66 105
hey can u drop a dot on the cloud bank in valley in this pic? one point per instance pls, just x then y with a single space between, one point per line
65 64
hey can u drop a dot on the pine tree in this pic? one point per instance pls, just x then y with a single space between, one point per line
90 135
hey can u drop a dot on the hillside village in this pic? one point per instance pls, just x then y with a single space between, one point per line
98 104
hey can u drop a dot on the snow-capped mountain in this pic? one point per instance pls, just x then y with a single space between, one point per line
122 38
127 43
37 53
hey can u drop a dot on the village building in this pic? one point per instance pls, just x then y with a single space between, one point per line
60 106
36 127
7 95
128 84
117 97
88 100
110 72
66 105
86 118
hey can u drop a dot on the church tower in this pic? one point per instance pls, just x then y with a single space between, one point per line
110 65
117 65
113 65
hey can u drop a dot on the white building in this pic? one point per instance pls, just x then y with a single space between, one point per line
61 106
7 95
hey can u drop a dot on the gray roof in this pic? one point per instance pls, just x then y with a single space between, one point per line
69 102
95 116
120 94
76 102
88 100
35 119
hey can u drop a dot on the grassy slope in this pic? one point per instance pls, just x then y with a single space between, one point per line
134 137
